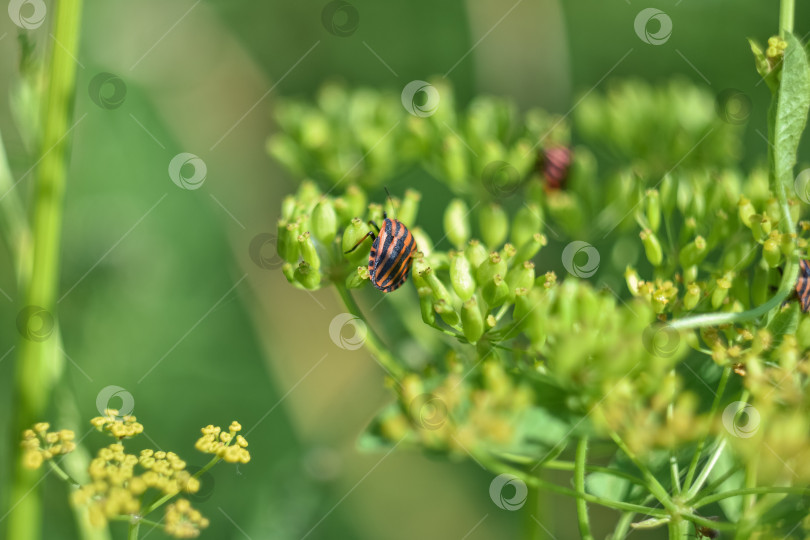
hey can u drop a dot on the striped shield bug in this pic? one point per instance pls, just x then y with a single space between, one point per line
803 285
392 250
554 163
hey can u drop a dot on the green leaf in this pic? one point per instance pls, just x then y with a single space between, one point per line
607 486
793 102
784 322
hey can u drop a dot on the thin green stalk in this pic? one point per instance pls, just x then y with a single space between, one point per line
498 466
558 465
579 485
711 487
134 530
721 388
37 364
709 499
161 501
786 10
531 530
652 482
373 341
63 474
704 474
128 519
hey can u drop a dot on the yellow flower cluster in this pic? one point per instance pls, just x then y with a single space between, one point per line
227 445
114 489
166 472
39 444
183 521
120 427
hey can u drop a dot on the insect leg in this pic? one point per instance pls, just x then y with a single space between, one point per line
369 233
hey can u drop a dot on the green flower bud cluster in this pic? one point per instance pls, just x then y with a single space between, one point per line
521 360
472 287
664 121
316 230
486 151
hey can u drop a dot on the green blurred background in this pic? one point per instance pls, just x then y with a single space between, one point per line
160 294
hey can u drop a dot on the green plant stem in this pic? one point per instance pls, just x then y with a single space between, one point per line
372 341
134 530
128 519
711 487
161 501
579 485
38 364
499 466
786 10
63 474
709 499
570 465
721 388
652 482
704 474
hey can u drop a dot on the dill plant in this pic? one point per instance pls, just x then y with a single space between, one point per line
674 281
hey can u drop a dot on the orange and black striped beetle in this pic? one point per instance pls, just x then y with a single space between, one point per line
803 285
389 261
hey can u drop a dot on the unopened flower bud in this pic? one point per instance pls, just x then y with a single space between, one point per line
472 322
457 223
494 225
461 276
528 222
324 221
652 247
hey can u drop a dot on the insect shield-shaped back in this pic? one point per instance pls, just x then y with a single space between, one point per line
389 261
391 255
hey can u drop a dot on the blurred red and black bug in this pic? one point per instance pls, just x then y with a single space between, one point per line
703 531
391 256
803 285
555 163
